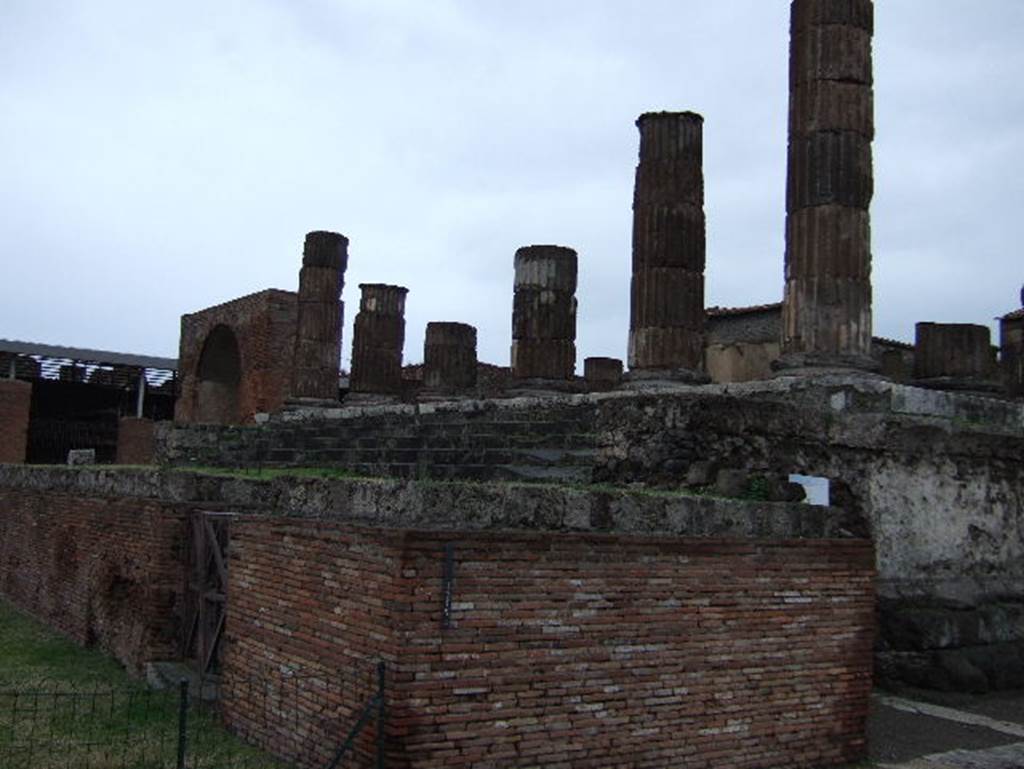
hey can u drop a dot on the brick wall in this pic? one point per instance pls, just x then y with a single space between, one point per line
103 571
264 327
135 441
568 649
15 405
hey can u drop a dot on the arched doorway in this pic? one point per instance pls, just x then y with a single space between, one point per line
219 374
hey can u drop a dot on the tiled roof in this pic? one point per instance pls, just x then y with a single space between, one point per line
1015 315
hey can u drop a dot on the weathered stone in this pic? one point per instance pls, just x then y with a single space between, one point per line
732 482
602 373
831 105
852 13
1011 352
543 358
829 167
540 313
830 52
544 313
669 236
318 326
449 356
81 457
701 473
826 314
667 287
378 339
546 267
956 356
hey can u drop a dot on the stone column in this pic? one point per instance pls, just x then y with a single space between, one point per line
954 356
826 311
544 313
602 373
378 340
666 323
1011 353
449 357
320 311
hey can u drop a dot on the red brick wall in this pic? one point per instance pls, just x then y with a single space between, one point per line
570 650
102 571
135 441
264 327
314 599
15 403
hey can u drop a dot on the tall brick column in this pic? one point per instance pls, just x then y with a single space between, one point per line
826 311
666 324
954 356
544 313
449 357
378 340
1011 352
318 334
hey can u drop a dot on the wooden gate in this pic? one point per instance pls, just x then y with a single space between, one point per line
206 590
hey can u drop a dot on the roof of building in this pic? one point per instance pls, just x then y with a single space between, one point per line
101 357
1015 315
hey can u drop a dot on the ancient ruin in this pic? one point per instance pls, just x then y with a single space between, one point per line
544 314
449 358
537 555
955 356
320 316
378 339
827 302
666 321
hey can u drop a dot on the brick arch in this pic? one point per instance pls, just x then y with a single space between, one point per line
219 377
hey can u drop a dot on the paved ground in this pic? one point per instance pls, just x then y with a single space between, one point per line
932 730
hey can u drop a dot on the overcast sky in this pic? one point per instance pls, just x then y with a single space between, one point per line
158 158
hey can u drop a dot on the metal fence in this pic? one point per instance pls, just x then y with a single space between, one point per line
291 722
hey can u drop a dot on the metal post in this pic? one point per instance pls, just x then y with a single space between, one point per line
142 394
182 722
380 714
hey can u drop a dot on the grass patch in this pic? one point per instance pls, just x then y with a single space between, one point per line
62 706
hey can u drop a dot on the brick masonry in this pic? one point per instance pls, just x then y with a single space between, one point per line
570 650
104 571
263 324
564 648
15 406
135 441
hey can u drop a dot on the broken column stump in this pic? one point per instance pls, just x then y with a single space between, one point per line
1011 352
954 356
826 310
602 374
378 339
544 315
320 313
449 358
666 325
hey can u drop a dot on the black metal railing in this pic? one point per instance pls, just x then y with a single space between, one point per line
291 722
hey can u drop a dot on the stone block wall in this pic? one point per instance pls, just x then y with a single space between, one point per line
263 325
15 407
105 571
